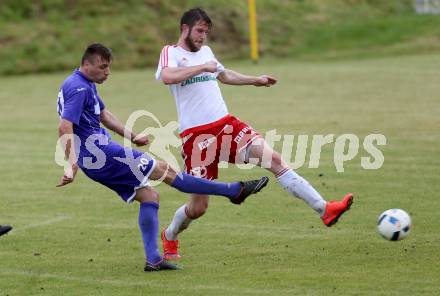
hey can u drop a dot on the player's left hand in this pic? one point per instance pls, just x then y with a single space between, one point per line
141 140
265 80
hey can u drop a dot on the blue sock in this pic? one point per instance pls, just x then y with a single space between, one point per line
190 184
149 226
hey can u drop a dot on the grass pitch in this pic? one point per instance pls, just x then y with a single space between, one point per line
83 240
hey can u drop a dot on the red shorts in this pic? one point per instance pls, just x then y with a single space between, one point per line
205 146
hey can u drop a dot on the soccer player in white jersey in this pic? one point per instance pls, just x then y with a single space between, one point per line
211 134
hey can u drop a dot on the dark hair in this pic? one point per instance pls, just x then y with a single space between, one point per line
97 49
192 16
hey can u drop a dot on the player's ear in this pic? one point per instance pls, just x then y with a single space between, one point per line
86 63
185 30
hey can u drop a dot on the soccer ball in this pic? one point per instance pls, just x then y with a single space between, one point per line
394 224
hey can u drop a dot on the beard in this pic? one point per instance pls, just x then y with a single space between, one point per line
189 42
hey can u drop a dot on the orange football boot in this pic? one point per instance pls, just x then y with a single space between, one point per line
170 248
335 208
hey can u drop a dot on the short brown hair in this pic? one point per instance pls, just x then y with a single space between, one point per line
192 16
97 49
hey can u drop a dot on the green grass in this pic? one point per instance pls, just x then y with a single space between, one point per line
45 35
83 240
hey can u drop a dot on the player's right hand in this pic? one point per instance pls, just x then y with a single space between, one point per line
69 175
141 140
211 66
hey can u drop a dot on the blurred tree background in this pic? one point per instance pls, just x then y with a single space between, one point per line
50 35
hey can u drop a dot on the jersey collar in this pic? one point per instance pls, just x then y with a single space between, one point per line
187 51
78 72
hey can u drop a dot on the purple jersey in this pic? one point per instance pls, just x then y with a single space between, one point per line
79 103
121 169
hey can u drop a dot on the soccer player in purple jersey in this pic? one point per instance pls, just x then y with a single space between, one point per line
124 170
5 229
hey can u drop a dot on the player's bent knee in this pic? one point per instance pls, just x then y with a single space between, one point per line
198 206
147 194
162 171
197 212
159 170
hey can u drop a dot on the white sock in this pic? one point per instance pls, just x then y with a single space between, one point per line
299 187
179 223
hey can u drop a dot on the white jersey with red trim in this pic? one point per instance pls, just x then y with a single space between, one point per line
198 99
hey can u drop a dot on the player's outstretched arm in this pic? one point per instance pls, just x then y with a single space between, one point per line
174 75
111 122
235 78
65 133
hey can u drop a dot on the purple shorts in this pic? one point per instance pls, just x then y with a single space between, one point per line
123 169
